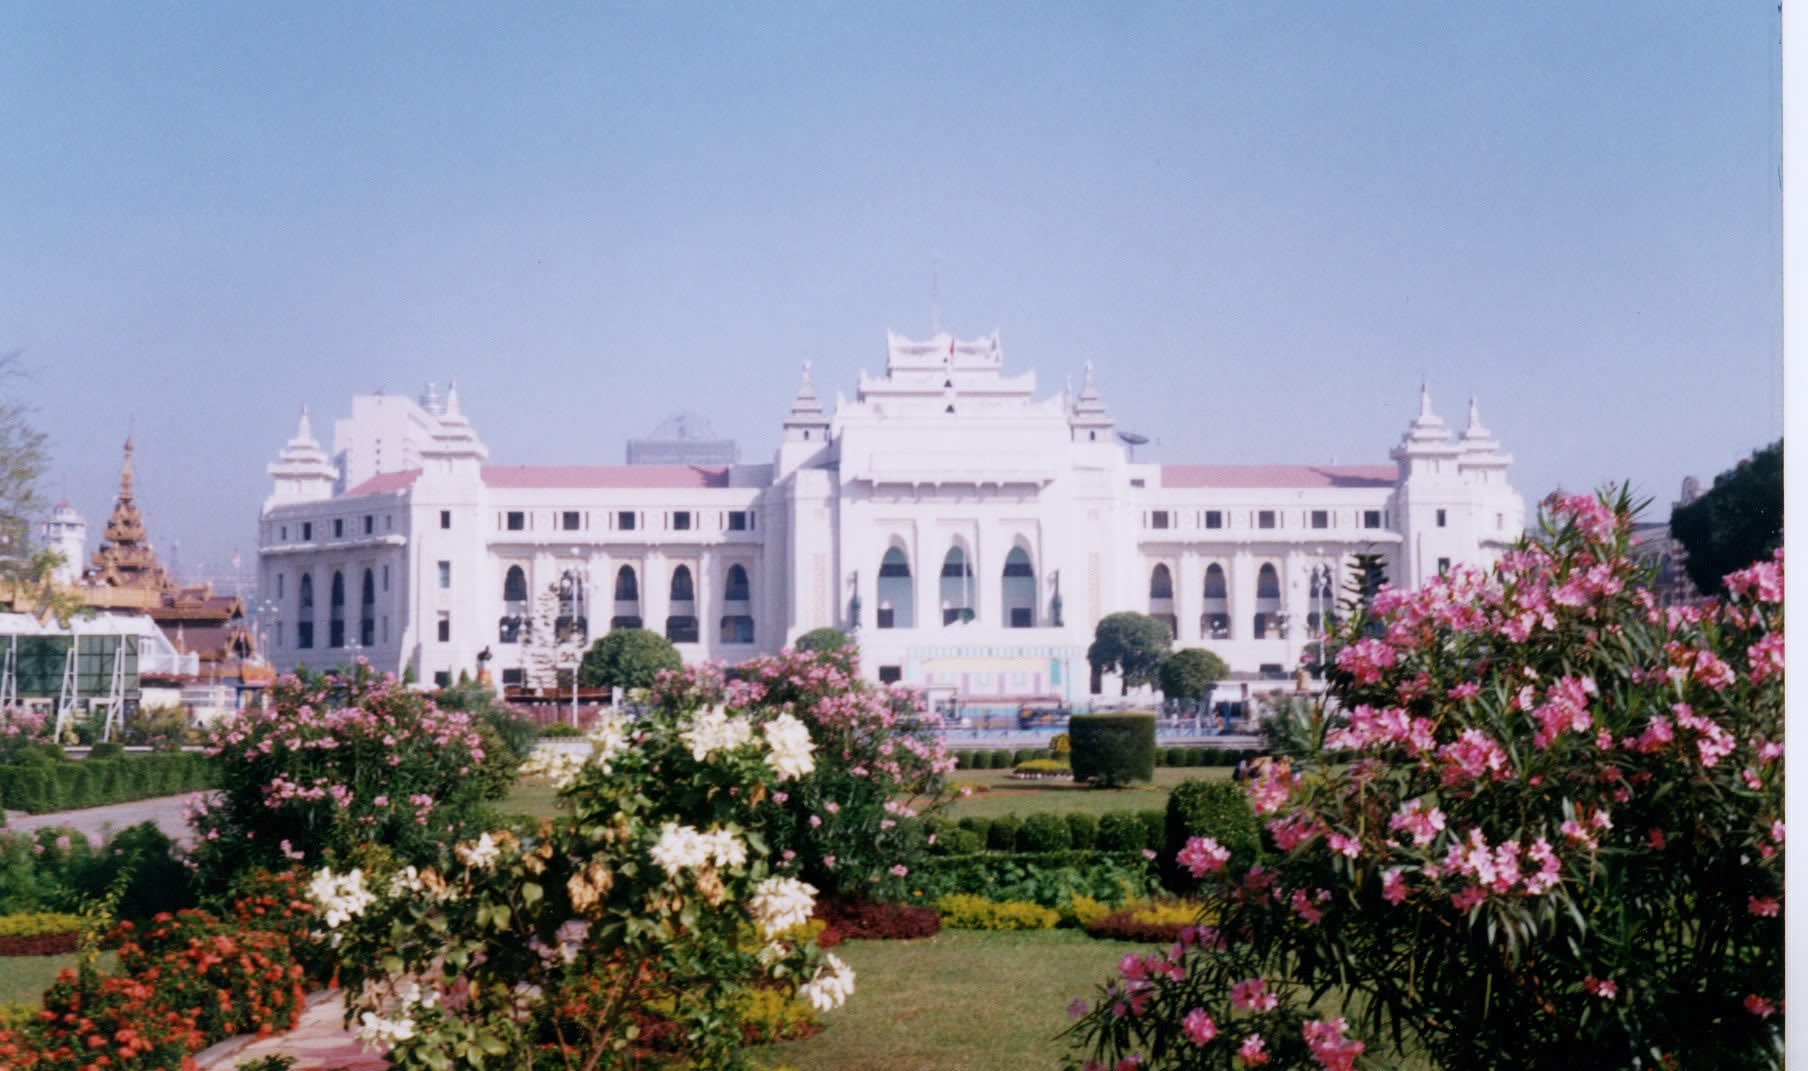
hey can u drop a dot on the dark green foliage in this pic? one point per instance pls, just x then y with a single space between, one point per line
1190 673
958 841
1736 522
1046 878
1113 749
627 658
980 827
1176 756
963 760
58 869
508 738
1216 809
41 785
1121 831
824 641
1025 754
1001 759
1044 833
1155 827
107 749
1131 645
1083 830
1002 836
556 730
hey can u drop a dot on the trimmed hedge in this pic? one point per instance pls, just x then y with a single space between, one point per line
1216 809
1047 878
68 786
1201 756
1113 749
1044 833
1002 836
1083 830
1121 831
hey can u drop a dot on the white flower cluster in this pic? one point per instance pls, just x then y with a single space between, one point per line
341 897
559 767
713 731
832 985
780 904
480 854
683 846
608 739
789 740
380 1030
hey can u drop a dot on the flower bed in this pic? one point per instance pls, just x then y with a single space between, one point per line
874 920
39 933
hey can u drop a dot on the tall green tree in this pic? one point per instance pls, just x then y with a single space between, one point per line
1190 673
23 459
1737 522
1130 645
627 658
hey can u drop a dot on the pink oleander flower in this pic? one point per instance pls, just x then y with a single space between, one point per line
1345 845
1760 1007
1605 988
1422 825
1303 906
1764 907
1202 856
1252 994
1330 1048
1077 1008
1290 833
1472 756
1466 899
1198 1027
898 870
1393 887
1766 657
1252 1053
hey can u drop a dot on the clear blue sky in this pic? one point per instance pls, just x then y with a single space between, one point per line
1264 223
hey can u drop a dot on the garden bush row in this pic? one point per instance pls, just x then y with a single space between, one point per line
1050 879
1008 758
61 786
1116 831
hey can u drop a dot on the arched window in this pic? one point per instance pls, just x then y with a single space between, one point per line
367 611
304 622
514 605
1161 583
573 622
897 594
737 621
681 623
627 599
957 587
335 619
734 585
1018 590
1268 602
1161 598
1214 623
514 585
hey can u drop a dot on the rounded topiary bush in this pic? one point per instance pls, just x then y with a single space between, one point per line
1122 831
1002 836
979 827
1176 756
1044 833
958 841
1113 749
1216 809
1000 759
1083 830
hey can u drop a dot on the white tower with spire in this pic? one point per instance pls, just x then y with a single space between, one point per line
1432 504
66 532
302 471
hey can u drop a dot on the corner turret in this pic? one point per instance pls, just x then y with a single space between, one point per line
302 471
1089 420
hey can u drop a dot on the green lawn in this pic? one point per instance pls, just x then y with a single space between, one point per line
23 979
531 797
1027 797
964 1001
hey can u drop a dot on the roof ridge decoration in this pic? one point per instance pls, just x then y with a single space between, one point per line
806 408
454 436
1089 409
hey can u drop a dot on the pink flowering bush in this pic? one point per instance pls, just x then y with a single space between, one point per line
848 827
336 763
1544 831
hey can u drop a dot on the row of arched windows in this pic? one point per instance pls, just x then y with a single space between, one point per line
1214 623
681 621
955 593
335 619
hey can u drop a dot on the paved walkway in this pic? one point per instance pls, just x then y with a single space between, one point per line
169 812
319 1043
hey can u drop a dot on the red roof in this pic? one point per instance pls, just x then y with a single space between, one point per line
386 481
558 476
1279 475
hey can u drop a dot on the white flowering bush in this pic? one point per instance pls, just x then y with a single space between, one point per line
627 934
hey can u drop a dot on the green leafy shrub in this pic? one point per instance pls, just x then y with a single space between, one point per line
1044 766
768 1015
1002 836
560 730
1216 809
958 841
41 784
1060 745
37 923
1046 878
1083 830
1121 831
1155 827
628 658
1178 756
1113 749
961 911
107 749
979 826
963 760
1000 759
1044 832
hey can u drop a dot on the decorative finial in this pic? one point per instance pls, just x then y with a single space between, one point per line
125 474
1425 400
1475 414
452 399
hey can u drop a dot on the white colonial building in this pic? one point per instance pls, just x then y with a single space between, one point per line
967 531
